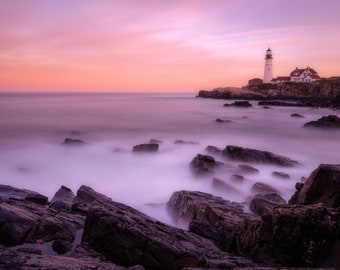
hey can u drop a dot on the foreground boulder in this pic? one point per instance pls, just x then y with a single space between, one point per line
323 185
265 203
330 121
253 155
203 163
127 237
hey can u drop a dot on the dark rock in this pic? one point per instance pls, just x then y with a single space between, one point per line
61 246
298 186
63 194
9 192
262 188
146 147
203 163
322 186
297 235
247 168
281 175
253 155
296 115
239 103
264 203
71 141
37 198
219 120
278 103
127 237
213 149
185 142
266 107
212 217
330 121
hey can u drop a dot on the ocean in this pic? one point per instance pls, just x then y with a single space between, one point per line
33 127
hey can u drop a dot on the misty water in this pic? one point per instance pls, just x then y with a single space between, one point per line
34 126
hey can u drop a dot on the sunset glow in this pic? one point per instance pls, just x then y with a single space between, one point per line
102 45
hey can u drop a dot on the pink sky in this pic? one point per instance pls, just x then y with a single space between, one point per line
154 45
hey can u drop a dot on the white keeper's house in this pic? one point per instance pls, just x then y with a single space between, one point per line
304 75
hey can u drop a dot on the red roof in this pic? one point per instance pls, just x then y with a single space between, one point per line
298 71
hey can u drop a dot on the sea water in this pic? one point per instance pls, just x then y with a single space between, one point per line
34 126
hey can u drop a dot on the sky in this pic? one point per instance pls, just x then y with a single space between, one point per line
155 45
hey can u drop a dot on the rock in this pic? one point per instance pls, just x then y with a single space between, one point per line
203 163
146 147
266 107
278 103
213 149
185 142
265 203
9 192
70 141
61 246
37 198
296 115
297 235
127 237
262 188
247 168
222 221
330 121
322 186
253 155
64 194
281 175
239 103
219 120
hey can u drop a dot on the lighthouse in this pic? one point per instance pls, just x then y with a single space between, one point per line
268 67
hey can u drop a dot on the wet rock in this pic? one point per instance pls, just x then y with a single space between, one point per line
213 149
262 188
266 107
281 175
71 141
127 237
330 121
296 115
265 203
146 147
37 198
219 120
253 155
237 178
239 103
9 192
247 168
61 246
203 163
297 235
64 194
323 185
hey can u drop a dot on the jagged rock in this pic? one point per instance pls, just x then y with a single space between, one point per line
330 121
262 188
281 175
264 203
323 185
127 237
203 163
37 198
253 155
297 235
213 149
239 103
212 217
219 120
296 115
247 168
9 192
146 147
64 194
71 141
61 246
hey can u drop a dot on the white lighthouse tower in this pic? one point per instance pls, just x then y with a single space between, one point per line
268 67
